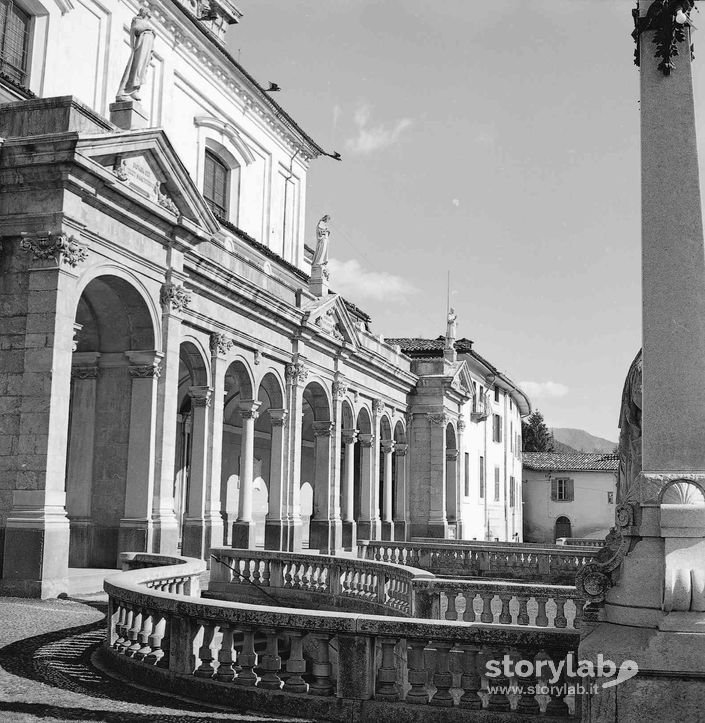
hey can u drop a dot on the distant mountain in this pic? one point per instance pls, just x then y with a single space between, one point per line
582 441
562 448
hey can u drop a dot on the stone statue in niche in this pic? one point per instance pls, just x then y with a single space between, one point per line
630 431
320 257
142 44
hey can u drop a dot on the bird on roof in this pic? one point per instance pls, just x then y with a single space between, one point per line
273 88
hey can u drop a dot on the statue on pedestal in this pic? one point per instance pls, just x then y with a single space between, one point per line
142 43
452 327
320 256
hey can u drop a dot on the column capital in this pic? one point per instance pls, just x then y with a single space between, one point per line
366 440
278 417
340 388
200 396
296 372
220 344
144 364
441 418
401 449
84 372
323 429
378 406
387 445
248 408
349 436
173 297
451 454
461 424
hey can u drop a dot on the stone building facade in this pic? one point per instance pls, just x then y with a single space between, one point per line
167 349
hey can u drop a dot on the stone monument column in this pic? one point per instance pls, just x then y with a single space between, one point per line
244 526
275 527
647 591
349 437
387 481
400 506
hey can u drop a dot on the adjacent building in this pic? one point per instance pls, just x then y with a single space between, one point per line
175 372
568 495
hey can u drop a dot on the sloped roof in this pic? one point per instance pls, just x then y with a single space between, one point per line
427 347
572 462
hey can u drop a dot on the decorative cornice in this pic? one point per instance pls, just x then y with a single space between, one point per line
669 19
220 344
146 372
296 373
85 372
174 297
57 247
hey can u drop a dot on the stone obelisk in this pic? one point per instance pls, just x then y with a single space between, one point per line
654 579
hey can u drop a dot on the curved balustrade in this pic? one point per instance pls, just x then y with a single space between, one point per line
477 559
322 665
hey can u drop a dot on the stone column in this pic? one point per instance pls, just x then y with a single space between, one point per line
400 505
349 437
296 375
244 527
460 493
79 472
367 527
194 535
452 489
136 528
326 526
387 512
276 525
220 345
437 520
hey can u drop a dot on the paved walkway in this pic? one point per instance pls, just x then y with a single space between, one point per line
46 672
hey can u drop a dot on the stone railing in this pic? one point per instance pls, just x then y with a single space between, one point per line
455 558
286 578
580 542
332 666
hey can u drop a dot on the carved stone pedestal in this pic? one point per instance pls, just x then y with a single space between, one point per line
128 115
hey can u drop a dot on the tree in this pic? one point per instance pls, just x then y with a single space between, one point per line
536 435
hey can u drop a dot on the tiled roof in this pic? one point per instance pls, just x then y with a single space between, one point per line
573 462
413 346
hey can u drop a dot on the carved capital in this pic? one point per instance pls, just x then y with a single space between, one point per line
440 418
378 406
220 344
323 429
349 436
296 373
366 440
76 331
278 417
461 424
200 396
387 446
55 246
91 372
340 388
146 371
173 297
401 450
248 408
451 455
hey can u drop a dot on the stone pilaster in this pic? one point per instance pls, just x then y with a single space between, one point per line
276 525
367 528
349 438
244 526
401 512
326 528
437 520
193 542
387 481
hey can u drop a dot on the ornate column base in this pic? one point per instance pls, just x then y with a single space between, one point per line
36 552
387 530
349 535
243 536
326 536
80 541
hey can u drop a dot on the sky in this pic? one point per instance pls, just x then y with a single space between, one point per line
495 141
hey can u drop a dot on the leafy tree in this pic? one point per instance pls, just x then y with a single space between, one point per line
536 435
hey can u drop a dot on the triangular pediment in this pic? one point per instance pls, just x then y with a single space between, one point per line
144 164
330 316
461 380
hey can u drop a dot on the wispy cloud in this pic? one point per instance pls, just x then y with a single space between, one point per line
370 138
544 390
350 279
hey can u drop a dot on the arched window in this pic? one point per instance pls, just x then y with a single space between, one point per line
216 182
14 41
563 528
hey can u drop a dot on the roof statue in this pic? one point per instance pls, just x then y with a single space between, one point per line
320 257
142 44
630 431
452 327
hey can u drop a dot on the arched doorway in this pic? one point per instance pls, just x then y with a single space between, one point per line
563 528
110 459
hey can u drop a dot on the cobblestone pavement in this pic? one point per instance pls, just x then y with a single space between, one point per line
46 672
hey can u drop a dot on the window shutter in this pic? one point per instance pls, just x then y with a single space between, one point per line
554 489
569 490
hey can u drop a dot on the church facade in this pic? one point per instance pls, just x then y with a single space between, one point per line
175 372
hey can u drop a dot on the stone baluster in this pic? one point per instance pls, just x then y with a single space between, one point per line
557 706
505 617
226 656
386 675
132 644
487 616
541 617
205 654
514 682
271 662
120 626
418 675
470 680
469 615
247 660
156 640
523 615
451 612
321 668
497 700
442 677
543 697
296 665
143 637
560 621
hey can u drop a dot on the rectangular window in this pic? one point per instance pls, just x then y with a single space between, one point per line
512 491
14 41
467 474
215 186
610 498
562 489
496 394
496 428
482 478
511 436
511 404
496 484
